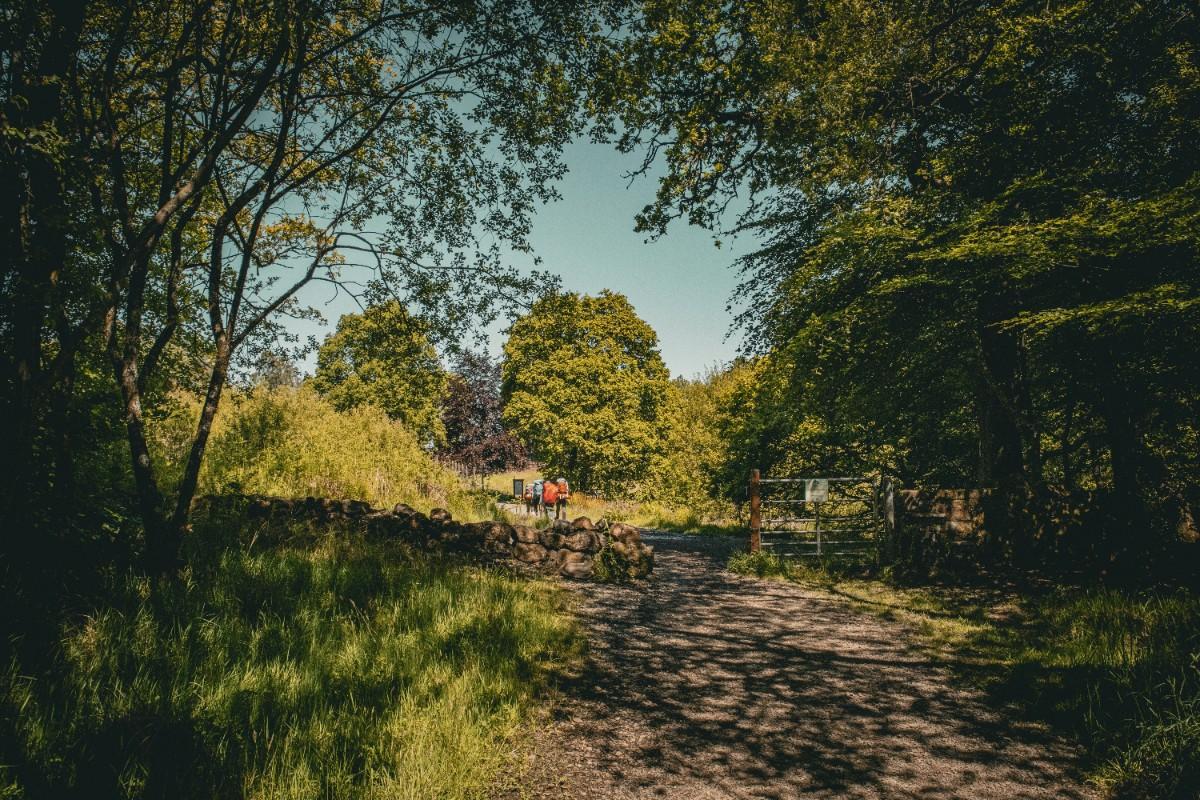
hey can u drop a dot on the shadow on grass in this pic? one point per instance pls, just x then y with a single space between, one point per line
325 665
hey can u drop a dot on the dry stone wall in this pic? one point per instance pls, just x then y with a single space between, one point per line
570 549
938 526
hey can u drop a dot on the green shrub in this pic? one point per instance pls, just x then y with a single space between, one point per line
292 443
344 669
607 567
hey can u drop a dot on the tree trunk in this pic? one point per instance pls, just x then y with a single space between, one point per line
1126 512
1122 424
35 220
61 424
998 392
1000 460
1065 446
158 559
191 473
1028 424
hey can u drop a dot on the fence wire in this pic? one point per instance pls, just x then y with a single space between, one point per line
820 516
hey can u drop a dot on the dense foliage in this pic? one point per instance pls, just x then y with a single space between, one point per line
979 260
178 173
692 471
382 357
471 413
585 387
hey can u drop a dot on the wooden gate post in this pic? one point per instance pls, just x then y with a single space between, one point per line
755 513
887 513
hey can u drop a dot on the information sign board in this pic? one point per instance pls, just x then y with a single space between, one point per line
816 490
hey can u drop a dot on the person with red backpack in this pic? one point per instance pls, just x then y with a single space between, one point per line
549 496
564 494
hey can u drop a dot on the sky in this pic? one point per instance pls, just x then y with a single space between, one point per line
679 284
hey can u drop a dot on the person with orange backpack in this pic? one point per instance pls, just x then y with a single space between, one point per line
564 494
549 496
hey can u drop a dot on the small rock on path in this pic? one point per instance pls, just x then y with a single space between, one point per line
704 684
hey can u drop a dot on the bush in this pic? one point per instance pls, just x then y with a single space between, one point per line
607 566
292 443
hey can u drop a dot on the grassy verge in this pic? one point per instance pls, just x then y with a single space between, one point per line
329 668
682 520
292 443
1118 670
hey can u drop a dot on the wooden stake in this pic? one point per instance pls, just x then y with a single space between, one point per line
755 513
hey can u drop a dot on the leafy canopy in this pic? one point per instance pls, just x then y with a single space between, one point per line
383 358
978 222
585 387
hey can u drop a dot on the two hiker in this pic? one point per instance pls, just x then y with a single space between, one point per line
546 494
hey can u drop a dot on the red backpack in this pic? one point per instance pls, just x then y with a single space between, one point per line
549 492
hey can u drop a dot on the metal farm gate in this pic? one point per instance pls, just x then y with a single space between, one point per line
820 516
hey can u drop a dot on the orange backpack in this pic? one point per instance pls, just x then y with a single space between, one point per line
549 492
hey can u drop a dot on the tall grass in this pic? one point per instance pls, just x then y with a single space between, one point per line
331 668
291 443
1120 670
1128 667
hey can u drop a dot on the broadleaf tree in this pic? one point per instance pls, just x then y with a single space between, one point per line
585 387
184 170
475 433
383 357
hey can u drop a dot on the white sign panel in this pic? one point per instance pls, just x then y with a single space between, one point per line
816 490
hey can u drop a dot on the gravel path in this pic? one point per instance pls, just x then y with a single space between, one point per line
704 684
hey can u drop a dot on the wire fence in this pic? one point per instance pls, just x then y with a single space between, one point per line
816 516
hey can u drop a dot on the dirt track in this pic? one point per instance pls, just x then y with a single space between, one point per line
703 684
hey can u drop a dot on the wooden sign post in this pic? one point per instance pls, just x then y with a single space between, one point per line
755 513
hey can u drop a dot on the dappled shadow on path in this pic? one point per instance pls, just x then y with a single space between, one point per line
703 684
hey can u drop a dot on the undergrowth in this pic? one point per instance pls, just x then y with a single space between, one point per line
292 443
608 567
1119 670
333 667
